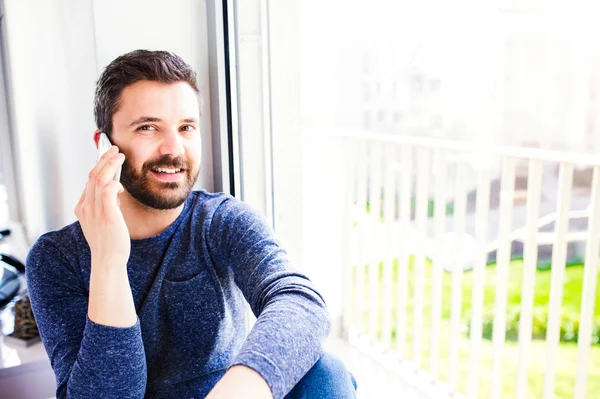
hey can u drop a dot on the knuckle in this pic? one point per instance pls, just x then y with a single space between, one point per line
107 154
108 189
102 182
93 175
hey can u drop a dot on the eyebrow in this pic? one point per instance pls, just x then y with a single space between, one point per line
146 119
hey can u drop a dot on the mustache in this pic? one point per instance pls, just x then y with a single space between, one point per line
167 162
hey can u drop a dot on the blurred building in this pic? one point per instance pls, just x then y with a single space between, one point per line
530 79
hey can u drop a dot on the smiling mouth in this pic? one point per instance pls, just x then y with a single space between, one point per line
167 170
168 174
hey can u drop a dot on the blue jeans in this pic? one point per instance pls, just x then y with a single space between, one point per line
328 378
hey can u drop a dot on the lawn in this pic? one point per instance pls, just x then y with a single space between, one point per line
567 351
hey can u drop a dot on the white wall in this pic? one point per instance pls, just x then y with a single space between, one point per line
51 68
56 51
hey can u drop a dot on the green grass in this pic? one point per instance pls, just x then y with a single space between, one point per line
567 351
413 208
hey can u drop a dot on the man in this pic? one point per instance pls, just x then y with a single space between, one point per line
144 295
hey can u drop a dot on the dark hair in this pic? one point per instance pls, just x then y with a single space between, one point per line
158 66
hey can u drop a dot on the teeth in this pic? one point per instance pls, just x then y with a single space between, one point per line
163 170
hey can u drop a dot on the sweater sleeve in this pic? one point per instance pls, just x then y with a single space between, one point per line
292 320
88 359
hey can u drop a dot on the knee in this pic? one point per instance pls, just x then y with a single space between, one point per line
329 378
329 366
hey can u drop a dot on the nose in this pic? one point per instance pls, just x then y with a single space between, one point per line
172 143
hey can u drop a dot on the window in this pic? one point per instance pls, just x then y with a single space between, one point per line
400 67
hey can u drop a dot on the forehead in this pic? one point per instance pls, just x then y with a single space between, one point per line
155 99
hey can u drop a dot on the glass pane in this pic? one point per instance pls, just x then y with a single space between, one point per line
357 88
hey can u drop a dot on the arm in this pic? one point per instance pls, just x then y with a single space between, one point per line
241 382
88 359
292 320
95 346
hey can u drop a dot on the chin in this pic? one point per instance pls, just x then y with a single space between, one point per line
171 200
162 197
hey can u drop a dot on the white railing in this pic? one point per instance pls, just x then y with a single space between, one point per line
400 237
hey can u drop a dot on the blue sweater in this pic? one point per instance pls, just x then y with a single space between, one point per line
188 283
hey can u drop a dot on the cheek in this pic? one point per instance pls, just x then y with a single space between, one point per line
194 152
140 154
130 164
131 160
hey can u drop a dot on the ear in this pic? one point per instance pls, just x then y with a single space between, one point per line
97 134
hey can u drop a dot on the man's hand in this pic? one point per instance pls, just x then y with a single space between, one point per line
105 230
241 382
99 214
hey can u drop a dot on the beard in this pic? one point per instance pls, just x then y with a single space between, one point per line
156 194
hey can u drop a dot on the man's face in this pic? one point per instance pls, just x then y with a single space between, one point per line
157 128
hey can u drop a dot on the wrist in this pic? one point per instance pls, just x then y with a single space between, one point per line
108 264
110 297
241 381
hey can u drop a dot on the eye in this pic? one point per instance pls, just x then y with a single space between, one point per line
188 128
146 128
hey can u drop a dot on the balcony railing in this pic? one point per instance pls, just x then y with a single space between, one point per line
427 222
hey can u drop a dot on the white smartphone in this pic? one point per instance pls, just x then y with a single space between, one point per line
104 145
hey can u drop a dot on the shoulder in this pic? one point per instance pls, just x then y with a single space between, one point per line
206 200
64 246
67 239
218 205
226 217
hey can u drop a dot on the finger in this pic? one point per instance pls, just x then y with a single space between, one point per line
109 195
105 158
95 172
106 176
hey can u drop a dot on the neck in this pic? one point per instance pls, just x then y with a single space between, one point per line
144 222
